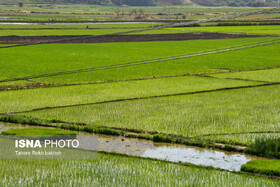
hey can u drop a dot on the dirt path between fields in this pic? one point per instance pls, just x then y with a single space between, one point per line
121 38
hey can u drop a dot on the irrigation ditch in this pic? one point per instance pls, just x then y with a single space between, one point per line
174 152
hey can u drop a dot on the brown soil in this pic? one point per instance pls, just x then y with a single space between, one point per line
119 38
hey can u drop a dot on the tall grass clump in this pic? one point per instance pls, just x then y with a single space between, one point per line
161 138
265 146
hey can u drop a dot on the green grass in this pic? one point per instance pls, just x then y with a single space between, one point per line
37 131
265 146
19 100
78 29
230 111
33 30
13 82
108 170
265 167
243 139
61 32
19 62
259 30
108 9
78 26
244 110
271 75
93 12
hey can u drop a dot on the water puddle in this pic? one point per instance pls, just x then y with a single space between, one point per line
173 152
1 17
163 151
217 159
7 126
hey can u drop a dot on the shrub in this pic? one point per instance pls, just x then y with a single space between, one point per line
265 146
161 138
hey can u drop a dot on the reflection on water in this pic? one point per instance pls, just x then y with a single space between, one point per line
163 151
173 152
217 159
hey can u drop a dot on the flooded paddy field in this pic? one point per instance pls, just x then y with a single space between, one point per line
145 96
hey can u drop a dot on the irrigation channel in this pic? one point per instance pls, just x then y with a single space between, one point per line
162 151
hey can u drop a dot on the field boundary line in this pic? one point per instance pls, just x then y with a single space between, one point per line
142 98
189 55
237 79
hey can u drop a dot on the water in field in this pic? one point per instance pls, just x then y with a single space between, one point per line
6 126
4 17
173 152
163 151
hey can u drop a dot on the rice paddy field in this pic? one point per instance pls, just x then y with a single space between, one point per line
43 12
221 91
87 29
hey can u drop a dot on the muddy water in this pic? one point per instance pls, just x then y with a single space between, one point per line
6 126
173 152
163 151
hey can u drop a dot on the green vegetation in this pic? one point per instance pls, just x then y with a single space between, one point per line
82 56
26 120
270 75
241 139
94 2
80 26
21 100
265 167
258 30
161 138
225 99
71 29
37 131
47 12
265 146
60 32
180 115
44 30
118 170
13 83
192 115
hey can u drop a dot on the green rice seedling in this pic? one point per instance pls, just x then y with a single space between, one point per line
231 111
269 75
83 56
117 171
22 100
